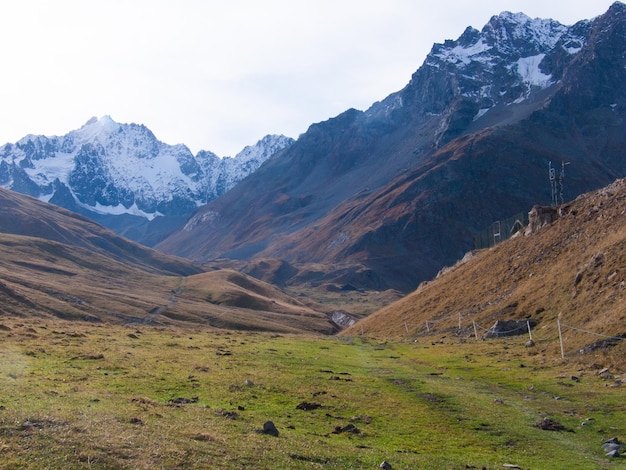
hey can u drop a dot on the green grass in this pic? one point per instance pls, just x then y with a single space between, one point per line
96 397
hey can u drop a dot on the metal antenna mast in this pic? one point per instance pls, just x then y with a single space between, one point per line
552 175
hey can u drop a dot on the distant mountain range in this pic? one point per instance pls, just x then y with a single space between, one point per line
123 177
386 197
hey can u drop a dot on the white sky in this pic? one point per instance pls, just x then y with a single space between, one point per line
220 74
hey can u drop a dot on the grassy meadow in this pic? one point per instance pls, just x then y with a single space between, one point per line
96 396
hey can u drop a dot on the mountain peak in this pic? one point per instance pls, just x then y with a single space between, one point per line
103 121
512 17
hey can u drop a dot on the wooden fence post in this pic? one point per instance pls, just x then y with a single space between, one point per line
558 322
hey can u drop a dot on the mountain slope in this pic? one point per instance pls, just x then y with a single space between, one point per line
123 177
398 191
29 217
575 267
54 263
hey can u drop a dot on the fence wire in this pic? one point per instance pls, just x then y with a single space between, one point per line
430 327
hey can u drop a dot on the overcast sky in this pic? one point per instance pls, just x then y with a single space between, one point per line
219 75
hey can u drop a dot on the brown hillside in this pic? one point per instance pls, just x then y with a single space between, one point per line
56 264
248 303
24 215
574 267
47 279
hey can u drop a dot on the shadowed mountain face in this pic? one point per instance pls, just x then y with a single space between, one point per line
398 191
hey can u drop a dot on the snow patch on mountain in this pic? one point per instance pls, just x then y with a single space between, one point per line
528 68
504 61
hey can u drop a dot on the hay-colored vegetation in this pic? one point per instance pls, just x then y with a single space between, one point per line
575 267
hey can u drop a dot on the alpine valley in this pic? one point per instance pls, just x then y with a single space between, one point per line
379 199
321 303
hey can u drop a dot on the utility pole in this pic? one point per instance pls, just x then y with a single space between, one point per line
561 178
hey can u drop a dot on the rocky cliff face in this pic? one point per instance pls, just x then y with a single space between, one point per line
113 171
399 190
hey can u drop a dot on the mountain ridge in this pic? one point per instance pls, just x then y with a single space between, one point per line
399 190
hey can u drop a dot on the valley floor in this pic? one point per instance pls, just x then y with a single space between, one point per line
76 395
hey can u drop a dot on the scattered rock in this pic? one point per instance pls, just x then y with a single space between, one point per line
249 383
336 377
578 278
349 428
269 428
227 414
548 424
385 465
308 406
603 344
183 401
612 447
136 421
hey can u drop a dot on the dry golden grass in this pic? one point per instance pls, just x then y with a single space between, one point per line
55 264
42 278
575 267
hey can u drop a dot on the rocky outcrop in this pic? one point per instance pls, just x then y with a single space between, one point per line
540 216
509 328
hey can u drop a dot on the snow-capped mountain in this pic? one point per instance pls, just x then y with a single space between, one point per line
511 48
400 189
108 168
513 60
